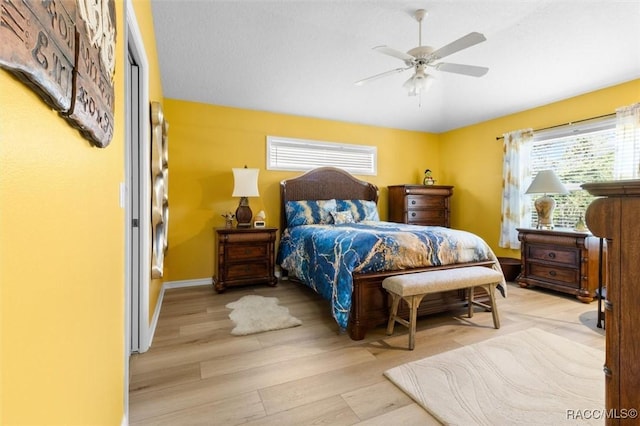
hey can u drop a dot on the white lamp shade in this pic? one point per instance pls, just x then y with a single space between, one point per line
546 182
245 182
418 83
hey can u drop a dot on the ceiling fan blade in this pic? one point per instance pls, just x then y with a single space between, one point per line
395 53
377 76
469 40
471 70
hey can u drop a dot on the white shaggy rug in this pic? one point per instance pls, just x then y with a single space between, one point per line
530 377
254 314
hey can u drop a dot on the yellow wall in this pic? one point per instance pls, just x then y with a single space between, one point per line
472 157
62 259
206 141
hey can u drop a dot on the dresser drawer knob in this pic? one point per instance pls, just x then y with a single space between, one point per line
413 202
552 255
413 214
553 273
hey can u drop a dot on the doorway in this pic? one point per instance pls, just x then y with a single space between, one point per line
135 196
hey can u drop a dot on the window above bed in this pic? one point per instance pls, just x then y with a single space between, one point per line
302 154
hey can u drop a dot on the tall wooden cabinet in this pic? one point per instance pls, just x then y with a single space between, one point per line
616 217
420 204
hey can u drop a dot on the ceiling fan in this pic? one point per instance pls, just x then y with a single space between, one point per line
421 57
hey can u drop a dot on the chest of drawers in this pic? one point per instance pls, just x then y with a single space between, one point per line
614 216
244 256
420 204
560 259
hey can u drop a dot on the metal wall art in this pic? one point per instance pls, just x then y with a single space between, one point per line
160 189
64 50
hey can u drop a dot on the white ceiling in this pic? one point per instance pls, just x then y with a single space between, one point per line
303 57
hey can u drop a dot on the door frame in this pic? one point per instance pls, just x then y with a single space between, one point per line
134 46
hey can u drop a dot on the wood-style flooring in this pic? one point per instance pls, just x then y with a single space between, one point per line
197 373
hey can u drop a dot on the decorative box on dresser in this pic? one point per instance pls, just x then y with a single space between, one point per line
420 204
560 259
244 256
616 217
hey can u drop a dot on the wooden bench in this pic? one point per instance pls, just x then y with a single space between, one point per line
413 287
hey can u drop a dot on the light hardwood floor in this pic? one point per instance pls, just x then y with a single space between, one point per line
197 373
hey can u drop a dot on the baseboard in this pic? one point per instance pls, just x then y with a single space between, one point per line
166 286
156 315
186 283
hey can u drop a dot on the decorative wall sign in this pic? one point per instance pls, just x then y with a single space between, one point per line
160 187
65 51
38 45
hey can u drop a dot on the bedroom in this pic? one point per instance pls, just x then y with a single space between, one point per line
59 311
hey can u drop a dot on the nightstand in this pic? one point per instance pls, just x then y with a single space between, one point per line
245 256
560 259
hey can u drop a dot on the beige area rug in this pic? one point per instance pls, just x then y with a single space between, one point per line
254 314
530 377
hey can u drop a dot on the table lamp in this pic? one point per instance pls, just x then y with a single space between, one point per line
546 182
245 184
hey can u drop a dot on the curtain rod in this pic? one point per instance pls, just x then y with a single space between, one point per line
567 124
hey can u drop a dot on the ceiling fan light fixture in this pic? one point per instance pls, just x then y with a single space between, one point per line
418 83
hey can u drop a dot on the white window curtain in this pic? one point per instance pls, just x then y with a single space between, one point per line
627 151
515 169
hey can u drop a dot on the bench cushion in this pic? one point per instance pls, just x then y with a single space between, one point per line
441 280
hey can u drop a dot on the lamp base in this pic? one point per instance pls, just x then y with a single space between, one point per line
244 213
544 208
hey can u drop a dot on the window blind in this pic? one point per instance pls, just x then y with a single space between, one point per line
578 154
300 154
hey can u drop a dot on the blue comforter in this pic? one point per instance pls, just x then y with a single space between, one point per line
324 257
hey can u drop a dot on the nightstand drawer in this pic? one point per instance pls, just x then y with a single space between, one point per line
248 237
422 202
246 251
425 216
564 276
246 270
553 254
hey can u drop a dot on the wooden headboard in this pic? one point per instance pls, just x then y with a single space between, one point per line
324 183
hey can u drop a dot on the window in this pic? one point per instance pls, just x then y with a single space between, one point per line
301 154
578 154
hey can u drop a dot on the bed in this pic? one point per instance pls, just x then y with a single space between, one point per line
353 282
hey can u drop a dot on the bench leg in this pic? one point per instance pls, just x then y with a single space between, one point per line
413 318
470 301
395 302
414 303
491 288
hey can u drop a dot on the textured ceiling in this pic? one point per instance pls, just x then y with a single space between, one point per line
303 57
